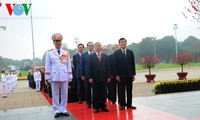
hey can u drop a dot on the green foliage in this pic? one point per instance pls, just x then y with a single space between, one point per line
176 86
24 73
169 65
165 48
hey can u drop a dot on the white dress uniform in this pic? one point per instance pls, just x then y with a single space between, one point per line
15 79
8 83
37 79
58 72
12 80
4 84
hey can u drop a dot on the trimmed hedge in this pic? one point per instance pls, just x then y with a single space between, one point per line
176 86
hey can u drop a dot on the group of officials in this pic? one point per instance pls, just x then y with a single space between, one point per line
9 82
34 79
95 72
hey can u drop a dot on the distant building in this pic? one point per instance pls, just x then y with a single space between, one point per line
26 64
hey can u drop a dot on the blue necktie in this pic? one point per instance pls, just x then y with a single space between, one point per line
58 52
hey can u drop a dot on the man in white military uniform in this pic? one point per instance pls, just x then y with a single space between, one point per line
9 82
58 73
4 83
37 79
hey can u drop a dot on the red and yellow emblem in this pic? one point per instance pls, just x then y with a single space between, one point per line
63 58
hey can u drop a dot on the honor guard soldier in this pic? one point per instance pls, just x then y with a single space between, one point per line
58 73
4 83
37 79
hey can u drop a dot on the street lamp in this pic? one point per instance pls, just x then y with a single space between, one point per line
175 27
154 46
3 27
76 40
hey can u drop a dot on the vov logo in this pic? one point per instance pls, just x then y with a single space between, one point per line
0 3
18 9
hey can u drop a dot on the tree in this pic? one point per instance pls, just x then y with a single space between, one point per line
146 46
149 61
183 59
165 48
192 12
2 64
43 58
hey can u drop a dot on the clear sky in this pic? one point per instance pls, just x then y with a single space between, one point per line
90 20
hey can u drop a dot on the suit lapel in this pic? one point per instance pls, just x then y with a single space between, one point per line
56 52
61 52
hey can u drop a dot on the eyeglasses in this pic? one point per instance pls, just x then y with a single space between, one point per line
57 40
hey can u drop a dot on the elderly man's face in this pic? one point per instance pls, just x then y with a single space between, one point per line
98 47
57 43
116 47
104 50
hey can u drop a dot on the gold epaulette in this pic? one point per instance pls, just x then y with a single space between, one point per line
50 49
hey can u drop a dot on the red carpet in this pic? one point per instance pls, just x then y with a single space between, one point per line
142 113
81 112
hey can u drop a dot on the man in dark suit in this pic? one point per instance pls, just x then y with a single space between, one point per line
85 72
72 87
112 84
125 73
99 75
77 68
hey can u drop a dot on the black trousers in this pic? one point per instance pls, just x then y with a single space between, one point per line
99 95
112 90
125 86
80 89
87 91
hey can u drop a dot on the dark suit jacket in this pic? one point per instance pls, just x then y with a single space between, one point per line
124 66
112 64
85 64
77 65
72 93
99 70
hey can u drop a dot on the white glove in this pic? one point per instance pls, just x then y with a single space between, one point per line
49 81
70 79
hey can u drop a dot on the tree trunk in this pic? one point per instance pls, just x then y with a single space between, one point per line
149 71
181 68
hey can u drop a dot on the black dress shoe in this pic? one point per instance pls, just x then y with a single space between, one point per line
122 108
65 114
132 107
113 102
80 102
57 115
88 106
96 110
105 109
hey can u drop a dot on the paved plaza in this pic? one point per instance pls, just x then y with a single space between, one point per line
26 104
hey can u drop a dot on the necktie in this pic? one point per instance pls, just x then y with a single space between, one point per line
124 52
58 52
99 56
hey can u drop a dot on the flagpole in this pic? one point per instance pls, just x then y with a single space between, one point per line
32 36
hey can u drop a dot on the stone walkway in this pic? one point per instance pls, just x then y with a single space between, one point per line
22 97
25 103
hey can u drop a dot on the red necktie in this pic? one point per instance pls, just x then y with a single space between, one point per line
99 56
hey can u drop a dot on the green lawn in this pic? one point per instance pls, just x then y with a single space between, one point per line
159 66
170 65
24 73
